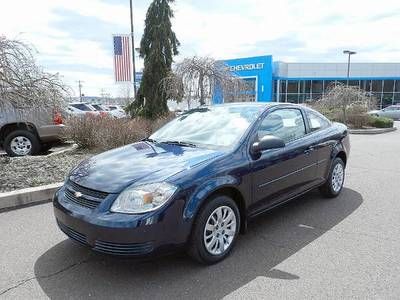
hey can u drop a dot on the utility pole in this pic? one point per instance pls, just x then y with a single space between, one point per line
133 49
80 89
350 53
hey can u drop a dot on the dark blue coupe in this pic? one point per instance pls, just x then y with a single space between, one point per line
197 181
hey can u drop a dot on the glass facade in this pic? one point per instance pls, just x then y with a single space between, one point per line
387 91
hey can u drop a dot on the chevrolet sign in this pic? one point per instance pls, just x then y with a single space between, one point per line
247 67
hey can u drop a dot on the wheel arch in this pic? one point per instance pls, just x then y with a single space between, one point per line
10 127
198 200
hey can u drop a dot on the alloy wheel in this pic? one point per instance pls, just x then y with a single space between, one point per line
337 177
21 145
220 230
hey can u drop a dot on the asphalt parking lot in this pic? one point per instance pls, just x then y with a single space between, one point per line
311 248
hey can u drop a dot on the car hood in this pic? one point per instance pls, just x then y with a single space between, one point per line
138 163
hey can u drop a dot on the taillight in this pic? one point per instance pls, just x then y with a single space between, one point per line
57 118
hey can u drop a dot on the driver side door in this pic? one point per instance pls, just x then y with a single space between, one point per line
281 173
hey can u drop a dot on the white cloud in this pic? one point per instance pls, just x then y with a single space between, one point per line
290 30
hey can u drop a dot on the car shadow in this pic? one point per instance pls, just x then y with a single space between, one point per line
70 271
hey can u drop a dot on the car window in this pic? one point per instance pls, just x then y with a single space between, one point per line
287 124
317 121
97 107
81 106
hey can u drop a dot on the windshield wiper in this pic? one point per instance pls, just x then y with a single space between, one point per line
149 140
180 143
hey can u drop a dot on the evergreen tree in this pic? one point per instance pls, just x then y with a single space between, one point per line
158 46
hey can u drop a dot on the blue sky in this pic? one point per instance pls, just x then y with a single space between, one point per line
73 37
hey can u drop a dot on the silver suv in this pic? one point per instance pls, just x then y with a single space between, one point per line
29 131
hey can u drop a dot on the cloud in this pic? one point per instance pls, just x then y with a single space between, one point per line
73 37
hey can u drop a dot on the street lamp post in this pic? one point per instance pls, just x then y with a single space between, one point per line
133 49
349 53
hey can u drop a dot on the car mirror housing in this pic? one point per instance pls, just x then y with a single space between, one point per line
267 142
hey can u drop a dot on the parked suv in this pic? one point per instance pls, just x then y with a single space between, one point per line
29 131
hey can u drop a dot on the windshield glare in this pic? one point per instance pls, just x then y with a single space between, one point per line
215 126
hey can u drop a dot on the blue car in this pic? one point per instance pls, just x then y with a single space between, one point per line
197 181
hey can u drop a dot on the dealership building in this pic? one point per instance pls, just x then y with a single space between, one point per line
301 82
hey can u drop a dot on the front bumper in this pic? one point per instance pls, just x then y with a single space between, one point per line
122 234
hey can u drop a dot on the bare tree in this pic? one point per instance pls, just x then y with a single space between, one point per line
22 82
342 101
199 77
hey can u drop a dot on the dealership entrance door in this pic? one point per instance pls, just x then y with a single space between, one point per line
246 93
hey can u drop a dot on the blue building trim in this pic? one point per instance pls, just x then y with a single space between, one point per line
338 78
258 68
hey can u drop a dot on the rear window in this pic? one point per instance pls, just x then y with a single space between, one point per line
317 121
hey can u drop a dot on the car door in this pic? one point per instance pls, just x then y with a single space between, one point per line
320 133
281 173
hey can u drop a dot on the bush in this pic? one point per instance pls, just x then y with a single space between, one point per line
359 120
381 122
104 133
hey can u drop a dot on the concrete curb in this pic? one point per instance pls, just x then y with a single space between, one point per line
372 131
29 196
63 151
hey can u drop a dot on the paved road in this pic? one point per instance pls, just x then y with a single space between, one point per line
311 248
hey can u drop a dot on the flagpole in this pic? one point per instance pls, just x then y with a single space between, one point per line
133 49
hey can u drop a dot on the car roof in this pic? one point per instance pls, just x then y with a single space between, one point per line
258 104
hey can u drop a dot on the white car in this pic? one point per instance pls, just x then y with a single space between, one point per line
392 112
116 111
81 109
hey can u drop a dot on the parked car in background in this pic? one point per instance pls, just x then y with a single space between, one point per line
392 112
197 181
80 109
116 111
29 131
101 109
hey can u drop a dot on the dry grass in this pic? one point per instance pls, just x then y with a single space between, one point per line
104 133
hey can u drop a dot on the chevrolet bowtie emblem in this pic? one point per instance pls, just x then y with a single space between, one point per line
78 194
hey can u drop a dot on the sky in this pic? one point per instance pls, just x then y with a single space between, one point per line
74 37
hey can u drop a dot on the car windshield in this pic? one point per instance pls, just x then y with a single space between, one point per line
210 126
82 106
97 107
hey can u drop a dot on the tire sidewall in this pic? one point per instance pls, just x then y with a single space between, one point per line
336 161
25 133
201 221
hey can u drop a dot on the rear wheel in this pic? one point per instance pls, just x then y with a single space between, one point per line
21 143
333 186
215 230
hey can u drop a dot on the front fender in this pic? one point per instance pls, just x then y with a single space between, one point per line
204 190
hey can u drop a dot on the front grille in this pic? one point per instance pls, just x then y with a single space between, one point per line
87 197
76 236
82 201
123 249
86 191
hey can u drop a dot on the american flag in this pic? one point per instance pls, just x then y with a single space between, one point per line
122 58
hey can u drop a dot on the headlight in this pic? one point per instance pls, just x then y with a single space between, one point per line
145 198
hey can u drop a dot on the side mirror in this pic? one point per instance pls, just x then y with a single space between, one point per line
267 142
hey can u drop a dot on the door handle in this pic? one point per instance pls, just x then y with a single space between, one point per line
309 150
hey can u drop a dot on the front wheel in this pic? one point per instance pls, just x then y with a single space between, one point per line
333 186
215 230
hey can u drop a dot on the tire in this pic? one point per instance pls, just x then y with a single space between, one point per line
28 143
332 187
208 214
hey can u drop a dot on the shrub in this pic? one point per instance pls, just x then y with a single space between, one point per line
103 133
358 120
381 122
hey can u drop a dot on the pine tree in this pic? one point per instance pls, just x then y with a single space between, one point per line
158 46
